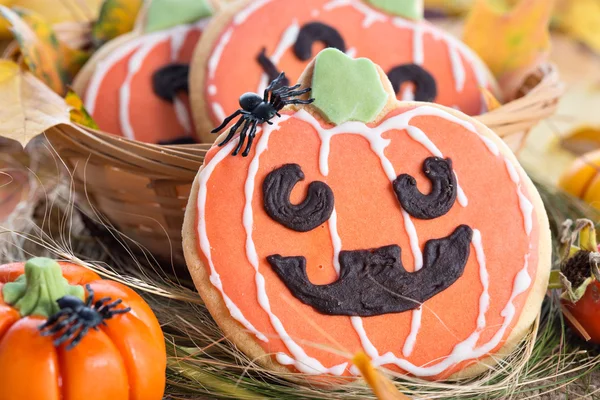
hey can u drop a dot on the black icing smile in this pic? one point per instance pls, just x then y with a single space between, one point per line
374 282
371 282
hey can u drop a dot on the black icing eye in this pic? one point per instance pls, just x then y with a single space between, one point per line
270 69
171 79
443 190
306 216
426 88
317 32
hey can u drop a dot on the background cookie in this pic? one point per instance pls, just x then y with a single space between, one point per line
137 85
247 246
247 44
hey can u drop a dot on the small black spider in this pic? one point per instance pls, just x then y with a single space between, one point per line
258 110
76 318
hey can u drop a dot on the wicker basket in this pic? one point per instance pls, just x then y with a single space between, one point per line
143 188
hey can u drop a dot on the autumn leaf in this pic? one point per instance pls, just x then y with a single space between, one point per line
28 106
580 19
382 387
79 114
46 57
509 38
582 139
116 18
54 11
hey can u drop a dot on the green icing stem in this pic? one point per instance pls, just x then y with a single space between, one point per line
346 89
36 291
411 9
164 14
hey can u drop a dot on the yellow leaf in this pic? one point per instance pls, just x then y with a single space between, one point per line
582 140
491 102
509 38
79 114
28 107
580 19
47 58
454 7
382 387
116 18
54 11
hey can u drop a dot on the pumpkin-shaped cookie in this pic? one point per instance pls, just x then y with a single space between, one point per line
67 334
248 44
405 230
136 86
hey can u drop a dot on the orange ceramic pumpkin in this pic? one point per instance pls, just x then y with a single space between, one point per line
247 45
359 223
136 86
123 358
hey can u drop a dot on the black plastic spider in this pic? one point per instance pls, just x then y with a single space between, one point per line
258 110
76 318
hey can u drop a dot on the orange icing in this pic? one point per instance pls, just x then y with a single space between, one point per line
384 43
369 216
152 119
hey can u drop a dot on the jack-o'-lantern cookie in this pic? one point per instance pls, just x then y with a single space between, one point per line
249 43
136 86
360 223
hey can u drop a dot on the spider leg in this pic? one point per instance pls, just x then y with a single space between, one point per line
90 298
68 335
251 136
232 131
297 101
276 82
112 313
78 338
285 89
101 303
226 121
295 93
60 326
242 137
53 319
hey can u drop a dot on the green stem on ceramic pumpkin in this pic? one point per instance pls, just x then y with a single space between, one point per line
36 291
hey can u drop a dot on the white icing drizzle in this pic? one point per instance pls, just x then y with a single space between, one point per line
370 349
484 299
218 111
351 52
408 94
301 361
215 58
492 147
182 115
415 326
418 50
133 67
289 37
247 11
215 278
315 13
461 197
212 90
336 241
371 16
524 203
458 68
